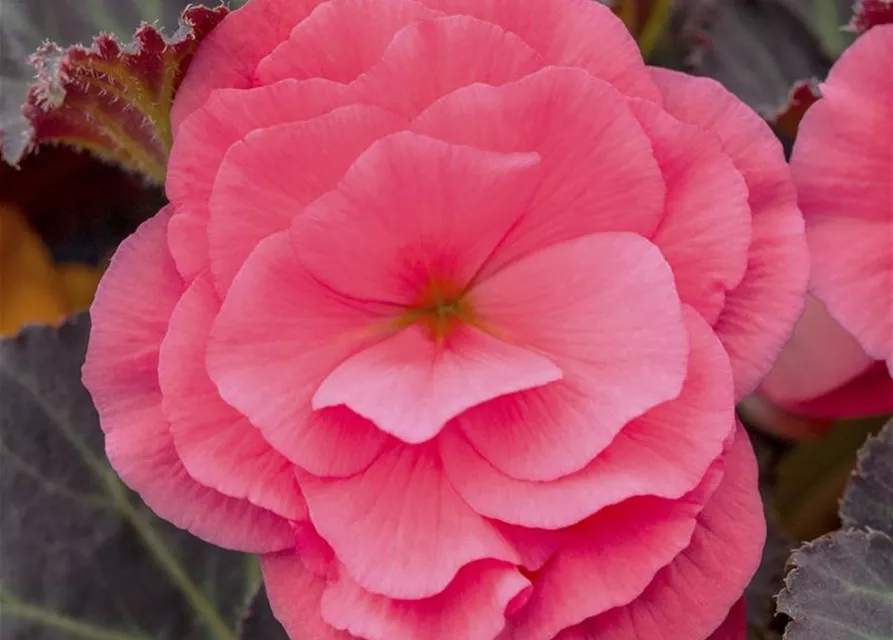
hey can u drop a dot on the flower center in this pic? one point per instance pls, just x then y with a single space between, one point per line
441 308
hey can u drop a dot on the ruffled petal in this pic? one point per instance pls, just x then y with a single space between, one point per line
570 33
593 152
218 446
267 179
706 232
130 316
340 40
760 312
472 607
399 527
664 453
269 363
604 308
429 59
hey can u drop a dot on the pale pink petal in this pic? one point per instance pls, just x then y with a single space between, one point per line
399 527
129 317
761 311
664 453
820 357
605 309
295 594
268 363
472 607
230 53
570 33
706 230
411 385
692 596
594 154
609 559
414 213
218 446
266 179
852 273
427 60
765 415
340 40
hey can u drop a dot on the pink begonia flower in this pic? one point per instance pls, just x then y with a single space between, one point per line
839 360
447 318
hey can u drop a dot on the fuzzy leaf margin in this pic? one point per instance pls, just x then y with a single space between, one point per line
112 99
841 585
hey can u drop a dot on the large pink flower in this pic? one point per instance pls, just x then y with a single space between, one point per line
839 361
448 316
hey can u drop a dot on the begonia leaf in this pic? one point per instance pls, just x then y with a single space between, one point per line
81 557
868 500
111 99
841 585
841 588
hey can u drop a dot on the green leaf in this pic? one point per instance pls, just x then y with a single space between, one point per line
868 500
841 588
82 559
258 622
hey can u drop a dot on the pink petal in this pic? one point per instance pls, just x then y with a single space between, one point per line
664 453
605 309
594 154
534 546
266 179
295 594
399 527
413 212
340 40
218 446
472 607
706 231
427 60
692 596
820 346
268 364
187 240
761 311
230 53
852 273
130 316
204 138
410 385
609 560
735 625
562 33
868 394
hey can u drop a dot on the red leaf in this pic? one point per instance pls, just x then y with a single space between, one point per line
114 100
870 13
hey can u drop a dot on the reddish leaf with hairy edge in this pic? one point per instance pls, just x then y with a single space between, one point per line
803 95
113 99
870 13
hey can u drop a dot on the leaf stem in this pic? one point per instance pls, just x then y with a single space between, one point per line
655 27
16 608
